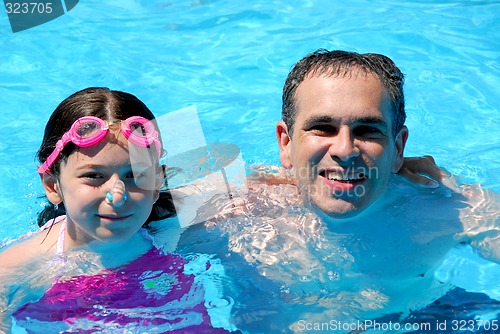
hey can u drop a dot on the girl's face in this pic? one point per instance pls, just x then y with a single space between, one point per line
85 178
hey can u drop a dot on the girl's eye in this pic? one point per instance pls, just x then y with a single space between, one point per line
142 177
138 174
93 178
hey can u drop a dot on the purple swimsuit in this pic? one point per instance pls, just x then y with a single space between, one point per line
151 292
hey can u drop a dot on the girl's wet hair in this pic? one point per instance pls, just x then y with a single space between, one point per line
105 104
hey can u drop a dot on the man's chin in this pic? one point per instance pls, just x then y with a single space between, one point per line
339 216
341 210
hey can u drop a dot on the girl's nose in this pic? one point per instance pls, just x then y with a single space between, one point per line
116 195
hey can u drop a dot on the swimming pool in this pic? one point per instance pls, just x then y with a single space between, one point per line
231 58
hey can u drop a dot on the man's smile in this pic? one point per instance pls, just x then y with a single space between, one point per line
343 176
343 180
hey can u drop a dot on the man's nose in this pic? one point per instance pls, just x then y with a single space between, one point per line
343 145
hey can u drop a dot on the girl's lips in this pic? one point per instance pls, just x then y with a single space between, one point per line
113 218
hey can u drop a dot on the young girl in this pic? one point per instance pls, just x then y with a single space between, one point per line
93 261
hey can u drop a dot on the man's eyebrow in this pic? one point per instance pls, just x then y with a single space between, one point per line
325 119
372 121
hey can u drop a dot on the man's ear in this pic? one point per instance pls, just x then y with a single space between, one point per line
400 143
284 143
52 189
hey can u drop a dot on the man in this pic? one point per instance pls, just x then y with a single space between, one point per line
371 243
343 129
343 133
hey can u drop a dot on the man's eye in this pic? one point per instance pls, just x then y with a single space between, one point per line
368 131
323 129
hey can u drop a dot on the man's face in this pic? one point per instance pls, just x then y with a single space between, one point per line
342 149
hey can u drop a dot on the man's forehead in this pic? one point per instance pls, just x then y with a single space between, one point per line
317 88
330 99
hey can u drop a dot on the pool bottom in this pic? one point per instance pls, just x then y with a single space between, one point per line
457 311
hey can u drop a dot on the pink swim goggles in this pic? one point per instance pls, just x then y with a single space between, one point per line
89 130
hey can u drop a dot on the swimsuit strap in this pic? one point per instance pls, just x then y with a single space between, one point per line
62 232
60 239
146 234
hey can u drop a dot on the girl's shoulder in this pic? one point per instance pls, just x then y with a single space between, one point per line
30 247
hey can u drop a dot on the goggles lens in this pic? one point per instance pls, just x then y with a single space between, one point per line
88 131
140 131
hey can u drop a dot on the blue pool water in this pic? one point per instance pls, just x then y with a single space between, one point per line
229 59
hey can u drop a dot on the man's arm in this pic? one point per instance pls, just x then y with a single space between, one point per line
424 172
481 221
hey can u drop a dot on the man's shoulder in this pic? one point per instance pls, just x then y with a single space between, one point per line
404 189
420 209
465 197
470 208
